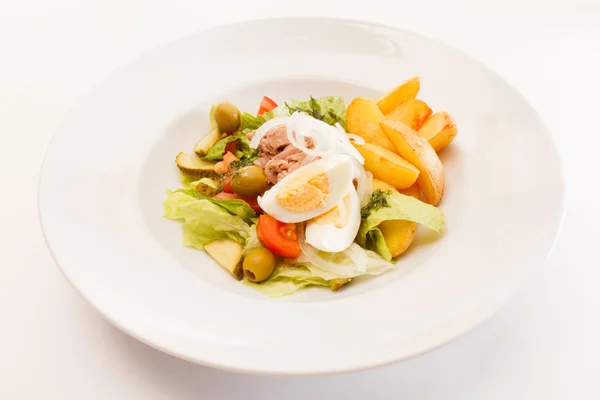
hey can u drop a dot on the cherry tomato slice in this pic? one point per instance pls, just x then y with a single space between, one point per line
252 202
266 105
278 236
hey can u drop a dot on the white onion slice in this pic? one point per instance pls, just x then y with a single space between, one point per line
351 151
267 126
364 186
327 139
355 261
357 139
368 189
311 255
358 256
300 126
347 146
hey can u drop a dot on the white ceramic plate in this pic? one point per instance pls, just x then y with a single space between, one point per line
107 169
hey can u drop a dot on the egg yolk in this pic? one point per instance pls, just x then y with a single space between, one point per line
338 216
306 193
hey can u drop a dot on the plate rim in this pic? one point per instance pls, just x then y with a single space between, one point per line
485 311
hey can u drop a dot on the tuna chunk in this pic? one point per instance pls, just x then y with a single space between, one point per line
289 160
277 155
274 141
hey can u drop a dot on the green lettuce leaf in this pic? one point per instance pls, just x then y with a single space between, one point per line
203 220
234 207
329 109
188 181
249 122
388 206
252 242
326 269
376 242
287 279
243 151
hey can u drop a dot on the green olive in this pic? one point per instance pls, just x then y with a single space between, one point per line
227 117
258 264
249 181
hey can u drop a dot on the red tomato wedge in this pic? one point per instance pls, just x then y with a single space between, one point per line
252 202
226 196
278 236
227 186
266 105
230 147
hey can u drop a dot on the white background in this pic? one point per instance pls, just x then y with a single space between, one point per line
545 344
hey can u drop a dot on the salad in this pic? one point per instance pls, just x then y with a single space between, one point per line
311 193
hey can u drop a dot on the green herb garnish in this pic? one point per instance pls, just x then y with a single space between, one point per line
238 164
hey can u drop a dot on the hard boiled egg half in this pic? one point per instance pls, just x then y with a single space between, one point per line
336 229
311 190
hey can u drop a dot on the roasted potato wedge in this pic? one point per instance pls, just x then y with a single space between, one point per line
383 186
406 91
412 112
416 150
388 166
439 130
398 235
363 118
414 191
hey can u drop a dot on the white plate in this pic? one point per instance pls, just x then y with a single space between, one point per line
107 169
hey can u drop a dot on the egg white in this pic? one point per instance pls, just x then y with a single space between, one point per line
328 237
339 170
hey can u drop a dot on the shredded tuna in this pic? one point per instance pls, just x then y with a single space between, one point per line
274 141
289 160
277 156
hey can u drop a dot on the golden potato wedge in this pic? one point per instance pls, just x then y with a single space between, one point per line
398 235
414 191
383 186
439 130
412 112
408 90
363 118
387 166
416 150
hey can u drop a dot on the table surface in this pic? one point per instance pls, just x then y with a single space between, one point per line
545 344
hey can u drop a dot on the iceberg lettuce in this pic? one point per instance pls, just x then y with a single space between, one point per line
322 269
387 206
234 207
204 220
329 109
287 279
243 151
